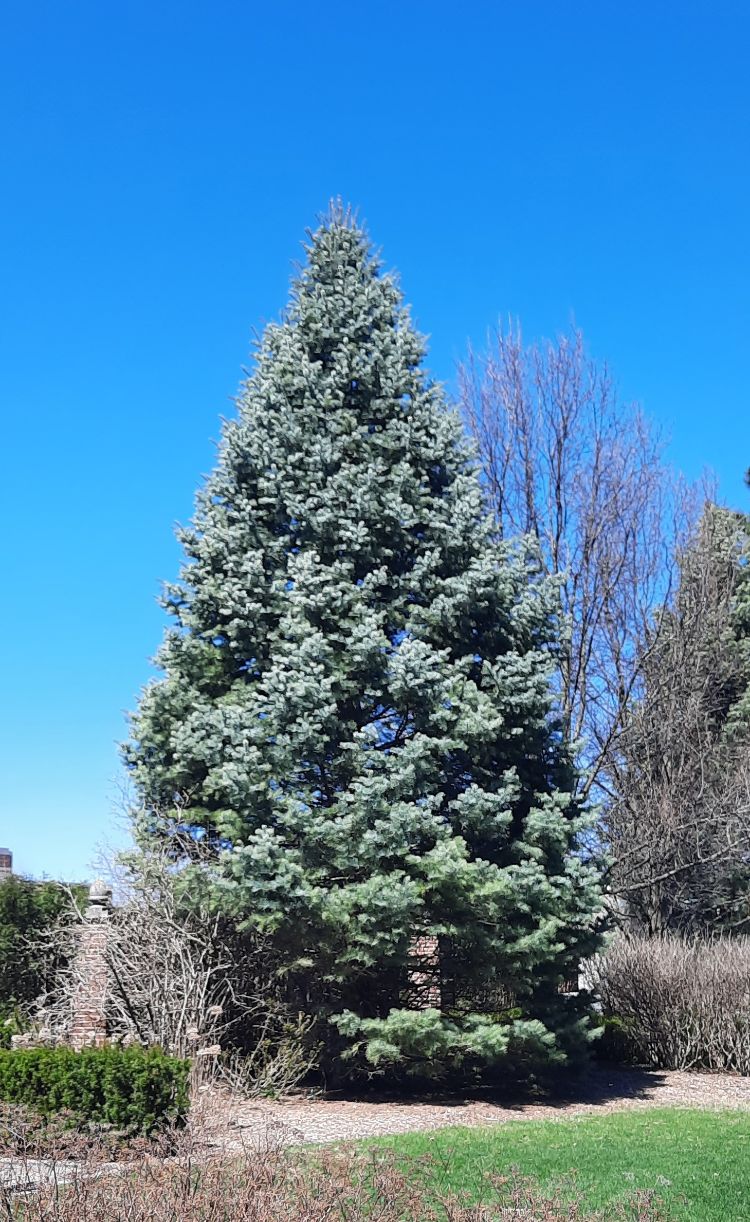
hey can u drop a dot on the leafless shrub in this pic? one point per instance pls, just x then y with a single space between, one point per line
182 977
27 1135
684 1003
278 1059
273 1185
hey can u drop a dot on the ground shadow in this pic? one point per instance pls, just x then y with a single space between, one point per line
598 1085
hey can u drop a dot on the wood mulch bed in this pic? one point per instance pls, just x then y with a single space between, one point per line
220 1120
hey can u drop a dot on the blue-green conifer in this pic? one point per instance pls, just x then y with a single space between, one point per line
355 705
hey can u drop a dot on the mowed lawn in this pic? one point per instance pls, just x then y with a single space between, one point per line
698 1162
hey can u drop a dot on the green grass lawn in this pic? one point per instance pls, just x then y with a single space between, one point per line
698 1162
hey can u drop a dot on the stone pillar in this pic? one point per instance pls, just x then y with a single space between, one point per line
424 973
88 1024
6 864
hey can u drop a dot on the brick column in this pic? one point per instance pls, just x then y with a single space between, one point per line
88 1024
424 973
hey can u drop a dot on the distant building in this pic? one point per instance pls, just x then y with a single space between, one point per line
6 864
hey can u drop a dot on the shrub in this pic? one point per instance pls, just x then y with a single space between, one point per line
12 1022
133 1089
25 1134
27 909
273 1185
680 1003
614 1043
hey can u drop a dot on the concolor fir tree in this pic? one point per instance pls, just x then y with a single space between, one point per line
354 707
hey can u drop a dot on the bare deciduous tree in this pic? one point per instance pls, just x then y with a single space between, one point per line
567 462
650 667
679 821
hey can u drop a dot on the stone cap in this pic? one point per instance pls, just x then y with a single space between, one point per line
100 900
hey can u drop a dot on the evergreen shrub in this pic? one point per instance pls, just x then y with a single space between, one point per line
135 1089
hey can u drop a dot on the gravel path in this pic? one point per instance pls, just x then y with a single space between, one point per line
25 1174
337 1119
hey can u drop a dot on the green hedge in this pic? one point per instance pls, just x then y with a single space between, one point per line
128 1088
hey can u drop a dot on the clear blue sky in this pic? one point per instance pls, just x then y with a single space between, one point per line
160 163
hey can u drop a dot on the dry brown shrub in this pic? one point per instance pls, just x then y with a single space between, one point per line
275 1185
684 1003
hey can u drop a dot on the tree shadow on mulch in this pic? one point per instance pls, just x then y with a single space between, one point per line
596 1085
